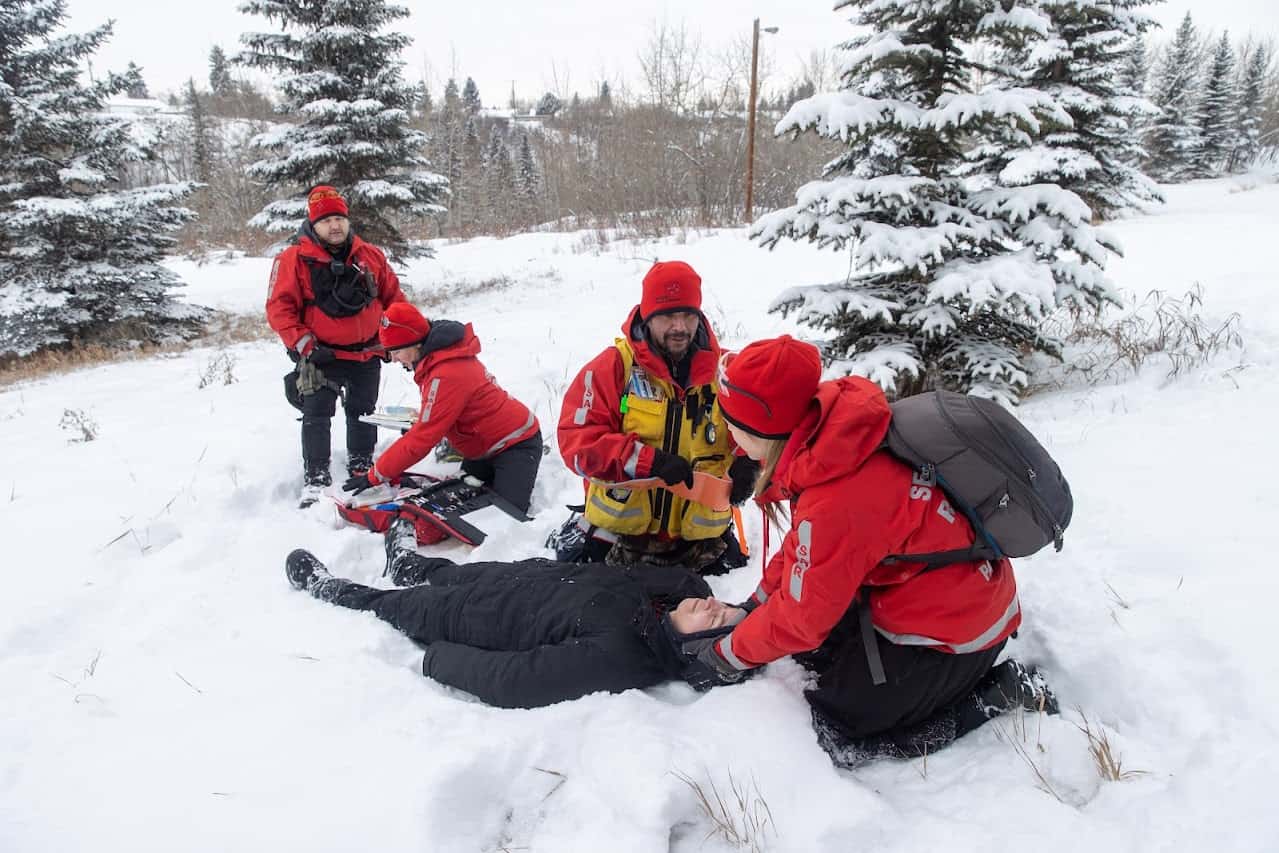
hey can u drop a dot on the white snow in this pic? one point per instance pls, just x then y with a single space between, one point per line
163 688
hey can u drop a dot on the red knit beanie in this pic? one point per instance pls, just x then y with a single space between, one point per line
670 286
402 326
324 201
766 388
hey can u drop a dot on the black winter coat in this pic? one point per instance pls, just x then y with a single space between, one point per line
536 632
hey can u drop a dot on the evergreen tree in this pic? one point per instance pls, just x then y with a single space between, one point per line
1173 136
1083 62
1251 94
606 97
528 182
499 178
136 87
548 105
953 285
220 82
471 98
79 260
1217 117
341 74
204 140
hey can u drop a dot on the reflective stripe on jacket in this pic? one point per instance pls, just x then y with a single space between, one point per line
622 407
853 504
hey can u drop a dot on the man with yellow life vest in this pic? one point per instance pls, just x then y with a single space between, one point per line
648 407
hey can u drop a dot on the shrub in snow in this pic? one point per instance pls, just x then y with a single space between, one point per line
342 77
962 245
79 259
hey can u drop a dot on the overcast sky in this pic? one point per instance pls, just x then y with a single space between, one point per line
563 45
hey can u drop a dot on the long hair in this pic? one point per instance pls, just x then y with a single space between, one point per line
773 510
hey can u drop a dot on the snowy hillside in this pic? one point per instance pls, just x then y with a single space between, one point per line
163 688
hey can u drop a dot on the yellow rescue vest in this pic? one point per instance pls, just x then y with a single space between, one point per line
654 411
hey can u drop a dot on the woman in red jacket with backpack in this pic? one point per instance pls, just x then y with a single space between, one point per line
904 656
499 438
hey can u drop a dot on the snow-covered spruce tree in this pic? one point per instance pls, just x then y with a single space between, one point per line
946 296
220 82
471 98
1173 136
342 76
1251 94
79 259
204 137
1218 121
1080 56
528 182
499 178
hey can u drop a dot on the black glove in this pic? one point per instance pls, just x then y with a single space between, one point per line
672 469
706 667
321 355
743 472
748 605
357 484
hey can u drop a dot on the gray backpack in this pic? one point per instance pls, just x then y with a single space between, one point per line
990 467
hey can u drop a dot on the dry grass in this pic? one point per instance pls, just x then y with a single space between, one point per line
1161 329
224 328
743 820
1109 765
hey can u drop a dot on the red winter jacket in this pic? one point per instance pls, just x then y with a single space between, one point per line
460 401
853 504
301 324
597 448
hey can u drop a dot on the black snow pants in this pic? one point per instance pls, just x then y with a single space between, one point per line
360 379
512 472
521 635
921 708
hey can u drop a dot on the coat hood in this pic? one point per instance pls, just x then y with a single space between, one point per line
705 350
448 339
845 425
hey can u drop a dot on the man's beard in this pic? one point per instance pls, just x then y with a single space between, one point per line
675 346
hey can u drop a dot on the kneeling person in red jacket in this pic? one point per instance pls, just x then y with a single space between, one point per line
904 657
497 435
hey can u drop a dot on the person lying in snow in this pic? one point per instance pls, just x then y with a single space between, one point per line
498 437
936 633
535 632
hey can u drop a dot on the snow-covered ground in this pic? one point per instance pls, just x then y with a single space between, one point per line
163 688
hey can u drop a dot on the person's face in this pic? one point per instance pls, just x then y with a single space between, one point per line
673 333
405 357
704 614
752 445
333 229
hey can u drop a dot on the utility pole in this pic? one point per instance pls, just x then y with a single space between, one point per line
750 121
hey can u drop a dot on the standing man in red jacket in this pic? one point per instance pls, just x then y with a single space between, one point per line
325 301
498 437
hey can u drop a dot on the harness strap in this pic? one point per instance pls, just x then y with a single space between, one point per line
870 641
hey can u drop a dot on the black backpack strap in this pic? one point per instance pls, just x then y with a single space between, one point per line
869 640
937 559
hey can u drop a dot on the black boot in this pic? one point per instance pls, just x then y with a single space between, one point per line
315 480
1006 687
400 539
358 463
1011 685
301 567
